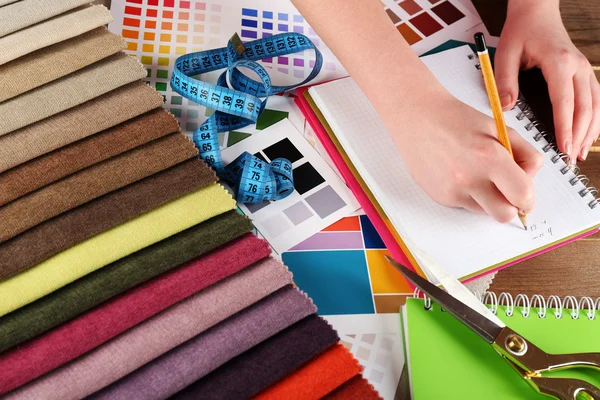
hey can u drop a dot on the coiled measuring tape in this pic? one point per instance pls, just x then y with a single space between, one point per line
253 179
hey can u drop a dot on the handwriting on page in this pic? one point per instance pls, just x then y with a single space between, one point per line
540 230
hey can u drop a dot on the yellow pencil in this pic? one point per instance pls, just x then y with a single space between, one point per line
492 91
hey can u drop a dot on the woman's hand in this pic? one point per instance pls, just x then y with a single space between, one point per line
462 164
534 36
450 149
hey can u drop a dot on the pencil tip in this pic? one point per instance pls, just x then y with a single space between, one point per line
525 227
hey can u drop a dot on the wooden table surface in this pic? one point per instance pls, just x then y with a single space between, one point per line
575 268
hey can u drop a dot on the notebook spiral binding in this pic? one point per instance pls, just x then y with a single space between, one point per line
542 132
525 304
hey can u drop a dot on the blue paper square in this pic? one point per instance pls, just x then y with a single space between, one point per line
370 235
337 281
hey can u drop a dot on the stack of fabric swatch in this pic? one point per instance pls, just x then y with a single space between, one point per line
125 270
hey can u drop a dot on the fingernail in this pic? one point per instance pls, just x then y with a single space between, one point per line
568 147
505 100
584 152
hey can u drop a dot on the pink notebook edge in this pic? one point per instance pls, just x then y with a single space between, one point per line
370 210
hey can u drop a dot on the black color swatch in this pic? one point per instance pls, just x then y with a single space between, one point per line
306 178
260 155
284 148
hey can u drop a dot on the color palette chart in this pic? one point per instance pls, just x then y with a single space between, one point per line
264 22
320 198
159 31
381 356
343 268
425 24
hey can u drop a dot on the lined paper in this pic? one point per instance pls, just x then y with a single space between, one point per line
465 243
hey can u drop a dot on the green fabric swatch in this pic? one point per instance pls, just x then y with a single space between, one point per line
449 361
235 137
270 117
118 277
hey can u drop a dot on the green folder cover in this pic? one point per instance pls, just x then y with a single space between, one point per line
446 360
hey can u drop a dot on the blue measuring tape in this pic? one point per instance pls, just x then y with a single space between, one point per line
253 179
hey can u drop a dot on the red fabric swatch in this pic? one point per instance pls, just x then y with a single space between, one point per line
101 324
355 388
316 379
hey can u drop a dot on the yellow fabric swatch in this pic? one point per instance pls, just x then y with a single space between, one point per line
113 245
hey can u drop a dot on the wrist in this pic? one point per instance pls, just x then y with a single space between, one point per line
527 6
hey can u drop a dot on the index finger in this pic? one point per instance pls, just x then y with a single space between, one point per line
562 96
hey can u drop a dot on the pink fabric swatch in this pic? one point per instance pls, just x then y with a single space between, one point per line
152 338
101 324
208 351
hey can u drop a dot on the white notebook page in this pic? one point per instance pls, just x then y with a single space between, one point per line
465 243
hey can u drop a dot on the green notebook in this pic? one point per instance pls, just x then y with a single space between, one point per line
446 360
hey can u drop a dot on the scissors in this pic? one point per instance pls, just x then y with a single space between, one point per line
525 357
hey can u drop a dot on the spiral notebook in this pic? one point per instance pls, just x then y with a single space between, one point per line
466 244
447 360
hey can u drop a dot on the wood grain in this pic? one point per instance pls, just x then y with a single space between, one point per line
575 268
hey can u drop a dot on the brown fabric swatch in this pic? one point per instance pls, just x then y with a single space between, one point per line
93 182
77 123
53 166
73 227
70 91
56 61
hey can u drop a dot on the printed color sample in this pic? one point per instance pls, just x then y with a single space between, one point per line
343 268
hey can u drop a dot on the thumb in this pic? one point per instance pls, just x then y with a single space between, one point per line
507 63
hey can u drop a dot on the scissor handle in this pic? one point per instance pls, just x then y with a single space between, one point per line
566 388
562 361
531 358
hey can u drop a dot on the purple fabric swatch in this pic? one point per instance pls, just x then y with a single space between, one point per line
199 356
264 364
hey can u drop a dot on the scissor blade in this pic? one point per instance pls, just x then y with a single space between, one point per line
486 328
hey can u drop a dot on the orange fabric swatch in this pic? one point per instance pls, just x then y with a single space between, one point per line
316 379
355 388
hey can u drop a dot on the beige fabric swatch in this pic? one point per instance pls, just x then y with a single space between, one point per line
56 61
24 13
77 123
93 182
70 91
5 2
57 29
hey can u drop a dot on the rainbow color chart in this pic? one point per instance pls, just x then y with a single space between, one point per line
258 24
159 31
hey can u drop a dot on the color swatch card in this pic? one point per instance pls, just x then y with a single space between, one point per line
425 24
159 31
278 108
320 198
351 254
382 357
